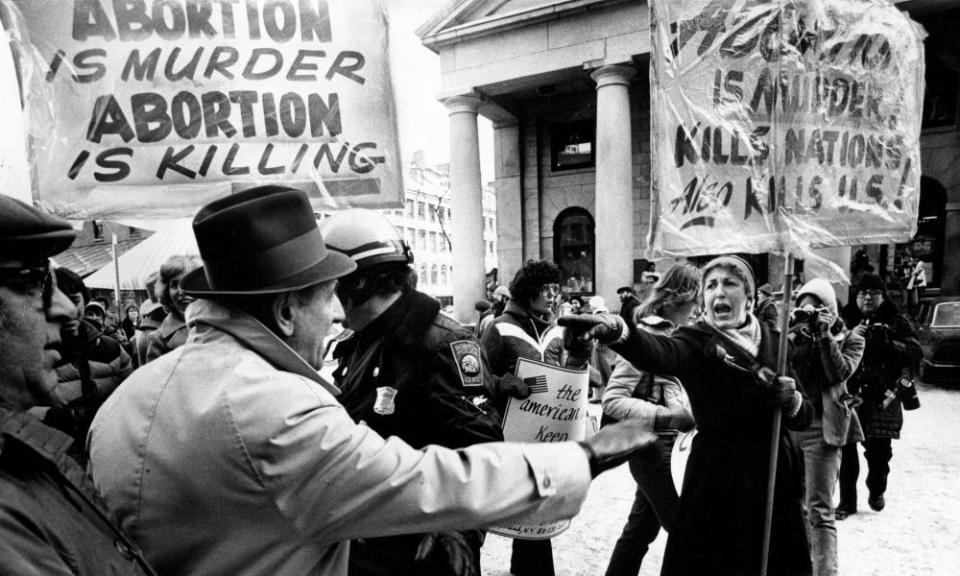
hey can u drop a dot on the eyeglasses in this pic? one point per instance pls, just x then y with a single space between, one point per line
870 293
549 290
37 280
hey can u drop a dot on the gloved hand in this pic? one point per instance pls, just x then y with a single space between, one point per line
675 418
445 554
782 392
614 444
578 348
606 328
511 385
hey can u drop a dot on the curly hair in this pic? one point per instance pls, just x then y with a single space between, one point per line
680 285
527 283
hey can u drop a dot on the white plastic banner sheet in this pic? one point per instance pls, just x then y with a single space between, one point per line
783 125
150 108
555 411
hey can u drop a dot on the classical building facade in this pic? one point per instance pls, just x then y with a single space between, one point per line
565 84
427 223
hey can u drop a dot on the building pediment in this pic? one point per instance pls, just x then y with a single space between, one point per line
466 19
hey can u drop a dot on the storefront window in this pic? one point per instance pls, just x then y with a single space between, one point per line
573 250
927 246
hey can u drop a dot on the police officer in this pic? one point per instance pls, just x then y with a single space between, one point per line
50 521
407 371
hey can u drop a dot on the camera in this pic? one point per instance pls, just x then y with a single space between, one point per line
806 315
906 391
876 330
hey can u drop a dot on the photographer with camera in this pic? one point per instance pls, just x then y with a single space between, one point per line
883 382
825 355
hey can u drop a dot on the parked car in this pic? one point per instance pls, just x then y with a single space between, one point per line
939 329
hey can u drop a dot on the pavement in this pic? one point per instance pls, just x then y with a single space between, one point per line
917 534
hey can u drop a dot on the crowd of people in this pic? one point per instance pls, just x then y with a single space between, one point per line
194 433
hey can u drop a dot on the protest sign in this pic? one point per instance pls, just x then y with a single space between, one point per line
555 411
781 125
14 168
157 105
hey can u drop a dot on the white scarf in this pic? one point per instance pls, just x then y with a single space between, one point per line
746 336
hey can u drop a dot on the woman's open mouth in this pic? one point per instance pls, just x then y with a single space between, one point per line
722 309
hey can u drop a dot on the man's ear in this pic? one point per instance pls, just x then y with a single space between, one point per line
283 312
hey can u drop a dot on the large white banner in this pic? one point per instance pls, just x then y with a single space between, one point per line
14 167
152 107
555 411
781 125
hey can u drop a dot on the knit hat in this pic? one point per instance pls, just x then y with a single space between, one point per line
93 305
765 288
739 267
871 282
823 291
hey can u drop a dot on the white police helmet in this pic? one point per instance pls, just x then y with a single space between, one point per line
367 237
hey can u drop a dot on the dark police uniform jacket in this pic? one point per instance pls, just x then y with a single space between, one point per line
412 373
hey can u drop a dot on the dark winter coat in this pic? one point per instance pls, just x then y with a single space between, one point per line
411 373
718 528
97 355
51 521
517 334
92 366
892 350
171 335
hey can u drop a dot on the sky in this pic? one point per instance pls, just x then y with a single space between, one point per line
422 120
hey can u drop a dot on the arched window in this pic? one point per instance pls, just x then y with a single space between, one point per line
444 278
423 274
574 246
433 274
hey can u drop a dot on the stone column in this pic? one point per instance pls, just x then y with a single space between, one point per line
614 195
466 202
506 141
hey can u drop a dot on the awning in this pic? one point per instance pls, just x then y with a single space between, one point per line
143 260
85 260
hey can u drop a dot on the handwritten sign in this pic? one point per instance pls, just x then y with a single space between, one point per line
555 411
783 122
156 104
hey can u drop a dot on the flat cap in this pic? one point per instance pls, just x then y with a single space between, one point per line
28 235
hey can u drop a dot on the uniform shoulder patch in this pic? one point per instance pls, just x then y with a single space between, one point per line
466 354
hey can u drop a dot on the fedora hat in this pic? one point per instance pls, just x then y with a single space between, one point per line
264 240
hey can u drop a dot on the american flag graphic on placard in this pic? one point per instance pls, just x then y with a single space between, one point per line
537 384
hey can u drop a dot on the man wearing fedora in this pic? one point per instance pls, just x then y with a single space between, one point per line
51 521
231 454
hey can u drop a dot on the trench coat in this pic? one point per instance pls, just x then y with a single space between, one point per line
231 455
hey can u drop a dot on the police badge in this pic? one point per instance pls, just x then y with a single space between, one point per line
385 403
466 354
